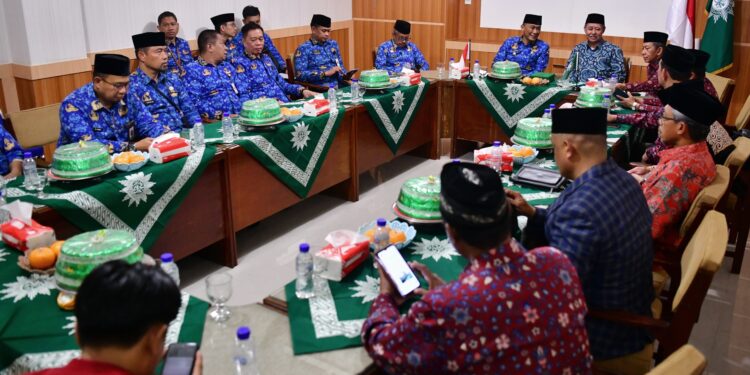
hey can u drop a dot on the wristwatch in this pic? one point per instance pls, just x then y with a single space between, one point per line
635 106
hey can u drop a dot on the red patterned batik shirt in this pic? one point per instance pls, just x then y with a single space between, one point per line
511 311
651 85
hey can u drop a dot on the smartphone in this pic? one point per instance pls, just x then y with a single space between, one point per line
398 270
620 93
180 359
348 76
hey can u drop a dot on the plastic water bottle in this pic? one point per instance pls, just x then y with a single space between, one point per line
547 113
355 91
599 82
244 353
450 68
304 285
227 128
332 96
496 156
170 267
551 108
381 238
29 171
613 81
476 70
606 103
199 135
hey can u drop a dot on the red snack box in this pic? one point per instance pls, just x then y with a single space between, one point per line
316 107
164 150
334 263
24 237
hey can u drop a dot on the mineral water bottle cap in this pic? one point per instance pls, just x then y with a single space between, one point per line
552 106
606 95
167 258
382 222
452 59
26 154
456 161
476 61
304 247
496 143
243 333
546 111
226 114
355 80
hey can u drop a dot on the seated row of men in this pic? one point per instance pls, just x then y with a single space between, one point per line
522 311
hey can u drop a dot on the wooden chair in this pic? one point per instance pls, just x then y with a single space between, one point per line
743 118
685 361
628 66
725 90
700 261
292 73
735 202
38 127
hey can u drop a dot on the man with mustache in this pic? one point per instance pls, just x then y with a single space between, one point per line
596 57
530 52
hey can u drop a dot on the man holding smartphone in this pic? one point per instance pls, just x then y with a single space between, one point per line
508 307
122 315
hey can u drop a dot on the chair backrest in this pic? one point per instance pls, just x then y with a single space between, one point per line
685 361
628 68
743 118
736 160
707 199
37 126
374 57
290 68
724 89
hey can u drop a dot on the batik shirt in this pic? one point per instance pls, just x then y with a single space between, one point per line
602 223
673 184
314 58
212 88
601 62
393 58
84 118
511 311
258 78
234 48
532 57
11 150
646 119
178 56
651 84
268 48
169 116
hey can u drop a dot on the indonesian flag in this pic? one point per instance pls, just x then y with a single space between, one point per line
465 56
680 23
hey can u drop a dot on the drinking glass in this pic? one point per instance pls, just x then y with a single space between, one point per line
441 70
41 183
219 290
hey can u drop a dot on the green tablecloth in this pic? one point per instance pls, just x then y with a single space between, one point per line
141 201
36 334
294 152
510 102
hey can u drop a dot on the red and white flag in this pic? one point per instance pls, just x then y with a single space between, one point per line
465 56
681 22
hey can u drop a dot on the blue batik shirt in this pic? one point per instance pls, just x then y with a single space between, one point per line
11 150
268 48
601 62
234 48
169 117
603 224
532 57
178 56
212 88
259 78
314 58
393 58
84 118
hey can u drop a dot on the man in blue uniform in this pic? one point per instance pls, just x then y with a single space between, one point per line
596 57
252 14
257 74
399 52
210 80
11 154
104 110
161 92
318 60
530 52
178 49
224 24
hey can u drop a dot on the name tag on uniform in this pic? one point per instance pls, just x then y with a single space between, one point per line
97 128
316 52
213 92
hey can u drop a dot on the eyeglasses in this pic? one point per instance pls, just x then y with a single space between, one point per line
119 85
664 118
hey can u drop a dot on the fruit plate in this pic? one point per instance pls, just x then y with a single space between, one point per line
407 229
413 220
520 160
23 263
528 81
124 167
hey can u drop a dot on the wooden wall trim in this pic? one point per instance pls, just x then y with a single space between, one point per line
9 88
394 21
51 70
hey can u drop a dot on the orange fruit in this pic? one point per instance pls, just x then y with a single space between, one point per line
536 81
57 247
397 236
42 258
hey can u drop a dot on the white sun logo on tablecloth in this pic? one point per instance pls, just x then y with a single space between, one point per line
435 249
71 326
368 289
514 92
3 254
398 101
137 188
28 287
300 136
722 9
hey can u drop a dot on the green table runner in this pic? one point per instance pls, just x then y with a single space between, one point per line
510 102
141 201
294 152
35 334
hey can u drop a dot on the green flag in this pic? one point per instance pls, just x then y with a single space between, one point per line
718 37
